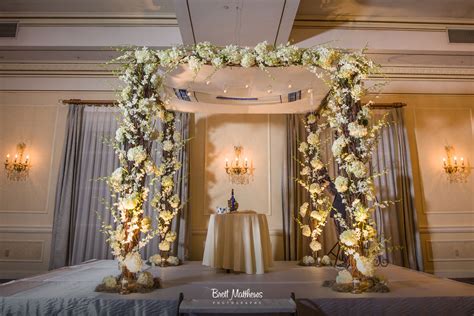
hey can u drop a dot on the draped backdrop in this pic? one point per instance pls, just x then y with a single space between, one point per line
397 224
83 199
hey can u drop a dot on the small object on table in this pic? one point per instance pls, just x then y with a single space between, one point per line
232 203
221 210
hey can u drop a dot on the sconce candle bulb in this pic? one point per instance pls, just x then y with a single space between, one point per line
18 169
456 173
238 174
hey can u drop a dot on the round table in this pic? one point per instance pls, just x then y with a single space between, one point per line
238 241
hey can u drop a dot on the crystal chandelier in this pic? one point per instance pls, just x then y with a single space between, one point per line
18 169
239 171
457 172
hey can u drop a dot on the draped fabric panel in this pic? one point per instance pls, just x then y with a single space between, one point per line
292 196
398 222
83 198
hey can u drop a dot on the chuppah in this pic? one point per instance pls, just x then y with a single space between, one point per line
148 98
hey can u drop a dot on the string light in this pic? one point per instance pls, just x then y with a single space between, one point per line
269 89
208 82
290 85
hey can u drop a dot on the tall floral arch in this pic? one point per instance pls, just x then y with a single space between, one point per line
144 100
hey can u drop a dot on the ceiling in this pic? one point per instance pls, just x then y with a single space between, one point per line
399 10
85 7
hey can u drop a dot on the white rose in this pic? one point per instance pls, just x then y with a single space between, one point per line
315 188
315 245
357 130
304 209
167 181
317 164
348 238
305 230
313 139
166 215
194 64
341 184
133 262
136 154
155 260
110 282
365 266
164 245
308 260
316 215
146 279
338 146
119 134
326 261
142 56
170 237
167 145
150 167
172 260
248 60
357 168
174 201
115 179
305 171
303 147
344 277
129 202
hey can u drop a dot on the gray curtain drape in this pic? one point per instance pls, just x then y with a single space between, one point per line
82 199
292 196
398 222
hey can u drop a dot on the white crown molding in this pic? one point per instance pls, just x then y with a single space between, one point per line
445 229
91 19
381 23
27 229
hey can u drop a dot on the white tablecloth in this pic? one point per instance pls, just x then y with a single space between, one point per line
238 241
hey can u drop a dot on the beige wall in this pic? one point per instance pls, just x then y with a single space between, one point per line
26 208
445 210
214 138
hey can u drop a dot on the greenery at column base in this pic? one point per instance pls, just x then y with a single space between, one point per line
144 283
367 285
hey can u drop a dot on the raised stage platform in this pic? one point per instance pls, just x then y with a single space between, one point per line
70 291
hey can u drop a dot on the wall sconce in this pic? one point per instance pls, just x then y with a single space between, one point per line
18 169
239 171
456 171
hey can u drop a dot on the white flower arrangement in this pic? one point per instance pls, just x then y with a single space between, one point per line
308 260
344 277
315 245
155 260
142 101
110 282
349 238
326 261
145 279
133 262
173 261
306 230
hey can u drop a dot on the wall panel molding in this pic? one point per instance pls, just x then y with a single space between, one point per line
20 249
429 250
27 229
